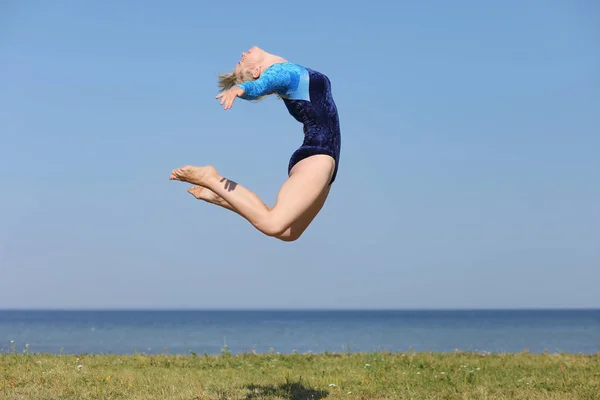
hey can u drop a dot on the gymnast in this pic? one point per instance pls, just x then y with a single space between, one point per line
312 168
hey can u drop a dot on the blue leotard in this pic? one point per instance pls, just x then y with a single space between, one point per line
307 96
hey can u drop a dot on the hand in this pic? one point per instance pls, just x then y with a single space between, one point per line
227 97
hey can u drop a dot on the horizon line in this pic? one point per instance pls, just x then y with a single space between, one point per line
294 309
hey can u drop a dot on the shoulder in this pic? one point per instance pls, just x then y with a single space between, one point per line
283 77
292 80
284 69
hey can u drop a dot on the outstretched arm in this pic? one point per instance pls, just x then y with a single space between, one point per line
277 78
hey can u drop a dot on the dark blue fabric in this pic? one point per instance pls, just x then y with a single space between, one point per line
320 119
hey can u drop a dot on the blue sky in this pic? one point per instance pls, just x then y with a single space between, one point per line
469 177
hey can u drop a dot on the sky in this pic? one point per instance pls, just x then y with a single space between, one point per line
469 175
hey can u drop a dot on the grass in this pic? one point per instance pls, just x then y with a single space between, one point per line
432 376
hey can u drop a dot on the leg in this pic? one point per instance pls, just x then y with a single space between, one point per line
301 196
202 193
292 233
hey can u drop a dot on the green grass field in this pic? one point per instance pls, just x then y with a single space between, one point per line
301 376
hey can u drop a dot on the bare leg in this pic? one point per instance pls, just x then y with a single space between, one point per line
202 193
299 200
291 234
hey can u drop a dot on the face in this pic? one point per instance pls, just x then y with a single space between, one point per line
249 61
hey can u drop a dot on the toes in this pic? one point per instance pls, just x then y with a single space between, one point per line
177 173
195 190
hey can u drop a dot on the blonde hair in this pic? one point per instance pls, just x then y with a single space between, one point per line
230 79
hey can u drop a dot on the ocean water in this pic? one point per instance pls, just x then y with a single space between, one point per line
183 332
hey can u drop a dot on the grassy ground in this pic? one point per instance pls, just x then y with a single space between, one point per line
295 376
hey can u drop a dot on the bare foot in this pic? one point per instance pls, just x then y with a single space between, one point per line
193 174
202 193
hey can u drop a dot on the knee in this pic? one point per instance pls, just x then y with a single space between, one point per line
273 227
289 236
276 229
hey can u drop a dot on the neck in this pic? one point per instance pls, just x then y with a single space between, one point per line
271 59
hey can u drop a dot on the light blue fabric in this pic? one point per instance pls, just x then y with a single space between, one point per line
290 81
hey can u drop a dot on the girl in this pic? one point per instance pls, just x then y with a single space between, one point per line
312 168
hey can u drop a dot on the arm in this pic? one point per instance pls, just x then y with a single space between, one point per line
275 79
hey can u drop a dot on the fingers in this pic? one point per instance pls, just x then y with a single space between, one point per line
223 96
229 102
227 98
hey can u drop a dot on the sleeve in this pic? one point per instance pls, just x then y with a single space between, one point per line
276 79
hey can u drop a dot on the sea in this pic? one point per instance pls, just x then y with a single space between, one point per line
302 331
